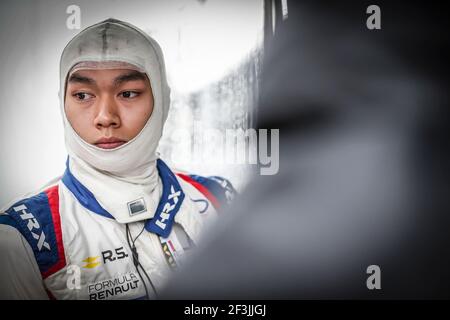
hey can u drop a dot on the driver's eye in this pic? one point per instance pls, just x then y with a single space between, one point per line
82 96
129 94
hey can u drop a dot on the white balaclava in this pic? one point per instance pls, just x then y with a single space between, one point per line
117 176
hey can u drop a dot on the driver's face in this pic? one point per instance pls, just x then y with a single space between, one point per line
108 107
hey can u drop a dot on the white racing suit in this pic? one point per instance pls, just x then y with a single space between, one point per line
62 244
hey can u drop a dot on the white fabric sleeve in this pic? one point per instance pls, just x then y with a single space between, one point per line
20 277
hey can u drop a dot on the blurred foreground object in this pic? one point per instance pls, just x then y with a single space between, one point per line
364 176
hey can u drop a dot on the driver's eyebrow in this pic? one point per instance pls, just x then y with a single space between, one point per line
130 76
76 78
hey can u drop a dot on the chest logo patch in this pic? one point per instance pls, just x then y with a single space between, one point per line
91 262
136 207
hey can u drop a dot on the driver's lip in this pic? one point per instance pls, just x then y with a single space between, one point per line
109 143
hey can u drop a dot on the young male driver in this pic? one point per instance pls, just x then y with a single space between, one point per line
119 221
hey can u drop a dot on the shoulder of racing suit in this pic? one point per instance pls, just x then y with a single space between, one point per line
37 219
219 191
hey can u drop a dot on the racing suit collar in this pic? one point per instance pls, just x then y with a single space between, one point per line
159 221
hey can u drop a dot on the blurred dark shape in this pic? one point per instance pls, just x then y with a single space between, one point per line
364 178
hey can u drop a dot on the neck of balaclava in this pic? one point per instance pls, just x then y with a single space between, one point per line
120 193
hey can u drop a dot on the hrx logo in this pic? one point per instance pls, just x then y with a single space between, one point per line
32 224
165 214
